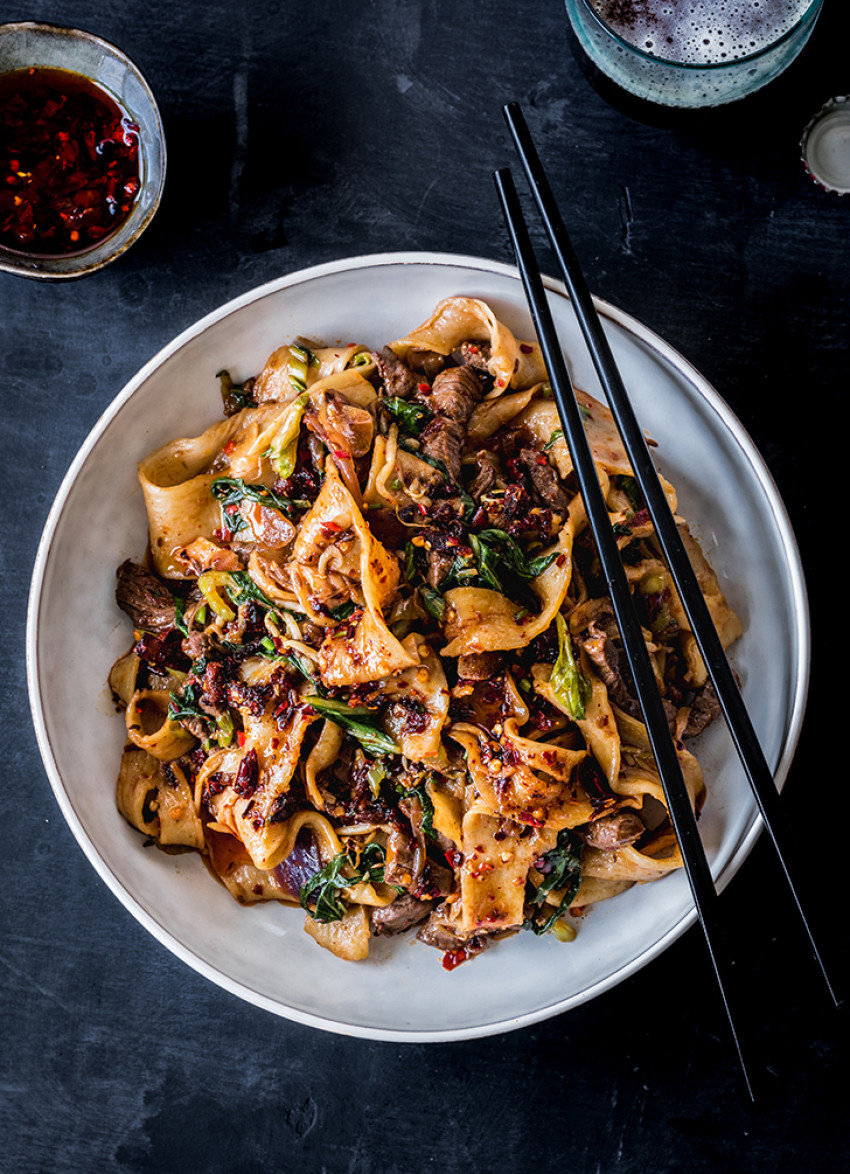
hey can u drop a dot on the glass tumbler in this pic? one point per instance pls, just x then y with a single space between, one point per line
692 53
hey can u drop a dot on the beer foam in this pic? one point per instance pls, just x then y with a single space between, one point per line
701 32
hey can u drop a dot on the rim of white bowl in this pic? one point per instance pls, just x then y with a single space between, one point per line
241 990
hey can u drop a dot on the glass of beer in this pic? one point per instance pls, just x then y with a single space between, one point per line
692 53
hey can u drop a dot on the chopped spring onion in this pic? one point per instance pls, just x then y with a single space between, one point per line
284 447
568 682
358 721
301 358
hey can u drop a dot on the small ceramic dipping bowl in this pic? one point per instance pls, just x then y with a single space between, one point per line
28 45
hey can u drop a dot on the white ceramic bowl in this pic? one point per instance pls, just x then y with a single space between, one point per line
75 631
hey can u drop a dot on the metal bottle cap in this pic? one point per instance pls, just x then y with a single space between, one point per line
826 146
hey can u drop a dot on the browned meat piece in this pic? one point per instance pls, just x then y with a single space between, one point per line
439 565
485 477
397 377
473 354
479 666
196 726
439 932
196 645
483 480
613 831
444 541
598 641
544 480
438 881
312 634
430 363
455 393
443 440
404 912
704 709
144 598
405 860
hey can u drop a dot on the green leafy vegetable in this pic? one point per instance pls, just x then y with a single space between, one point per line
433 602
342 611
358 721
511 554
185 703
630 488
180 615
568 682
420 792
320 894
497 561
561 869
469 506
410 415
232 491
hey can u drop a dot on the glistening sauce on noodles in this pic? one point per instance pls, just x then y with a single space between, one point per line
375 671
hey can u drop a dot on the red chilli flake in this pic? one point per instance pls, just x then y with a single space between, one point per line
69 162
248 775
453 958
525 348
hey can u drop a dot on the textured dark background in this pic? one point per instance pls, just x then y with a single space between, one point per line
299 133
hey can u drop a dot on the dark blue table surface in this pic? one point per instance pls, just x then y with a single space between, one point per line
303 132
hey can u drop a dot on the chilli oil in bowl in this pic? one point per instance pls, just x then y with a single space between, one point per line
69 162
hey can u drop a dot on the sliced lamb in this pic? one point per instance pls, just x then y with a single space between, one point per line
399 381
613 831
404 912
144 598
544 480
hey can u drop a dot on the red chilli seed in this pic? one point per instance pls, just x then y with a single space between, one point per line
69 162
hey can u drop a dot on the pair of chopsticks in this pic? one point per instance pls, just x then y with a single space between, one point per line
729 696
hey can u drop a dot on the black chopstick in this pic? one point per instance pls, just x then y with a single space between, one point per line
675 791
728 694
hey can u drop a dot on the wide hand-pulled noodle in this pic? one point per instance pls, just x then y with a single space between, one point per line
375 669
